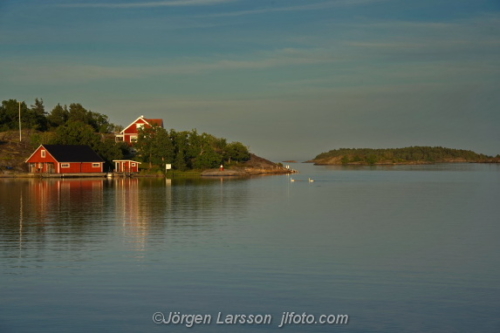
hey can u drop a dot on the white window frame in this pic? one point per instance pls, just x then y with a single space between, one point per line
96 165
43 153
139 126
132 164
133 138
64 165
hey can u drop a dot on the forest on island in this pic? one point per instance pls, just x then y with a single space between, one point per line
155 147
416 154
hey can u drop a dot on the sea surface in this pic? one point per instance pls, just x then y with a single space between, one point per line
396 249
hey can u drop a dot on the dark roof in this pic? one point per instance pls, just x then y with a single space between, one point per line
73 153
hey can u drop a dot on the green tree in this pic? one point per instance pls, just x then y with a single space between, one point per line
180 142
9 115
58 116
205 150
236 151
39 115
155 146
109 150
79 133
76 133
99 122
163 149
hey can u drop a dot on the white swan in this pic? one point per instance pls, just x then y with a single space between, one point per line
292 180
311 180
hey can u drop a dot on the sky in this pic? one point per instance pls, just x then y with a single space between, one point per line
288 78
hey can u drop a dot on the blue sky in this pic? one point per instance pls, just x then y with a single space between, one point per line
288 78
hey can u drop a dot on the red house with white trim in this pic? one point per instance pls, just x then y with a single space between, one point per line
63 159
130 133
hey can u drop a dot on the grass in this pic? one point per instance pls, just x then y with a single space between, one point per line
184 174
157 172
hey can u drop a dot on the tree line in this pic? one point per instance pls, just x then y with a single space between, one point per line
35 116
155 146
187 149
66 125
403 155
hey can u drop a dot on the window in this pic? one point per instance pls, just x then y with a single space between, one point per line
133 164
44 153
139 126
133 139
64 165
96 165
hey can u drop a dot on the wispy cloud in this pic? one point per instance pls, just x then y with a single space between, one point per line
69 72
174 3
312 6
473 38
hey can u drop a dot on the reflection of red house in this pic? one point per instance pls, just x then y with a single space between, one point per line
126 166
131 132
65 159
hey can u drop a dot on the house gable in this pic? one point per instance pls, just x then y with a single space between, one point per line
41 155
130 133
132 128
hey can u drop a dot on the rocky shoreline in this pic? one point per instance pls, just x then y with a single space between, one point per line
245 172
255 166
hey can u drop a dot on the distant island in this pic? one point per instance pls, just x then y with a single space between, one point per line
407 155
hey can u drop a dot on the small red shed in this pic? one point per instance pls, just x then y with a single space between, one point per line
126 166
65 159
130 133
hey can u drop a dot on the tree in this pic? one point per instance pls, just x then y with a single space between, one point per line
209 159
163 149
76 133
204 150
58 116
155 146
109 150
9 115
179 141
99 122
236 151
78 113
9 118
31 118
39 115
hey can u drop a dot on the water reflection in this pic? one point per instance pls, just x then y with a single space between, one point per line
40 216
131 211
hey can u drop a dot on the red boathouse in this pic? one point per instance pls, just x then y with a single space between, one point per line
63 159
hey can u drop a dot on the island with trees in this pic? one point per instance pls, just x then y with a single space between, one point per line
408 155
186 151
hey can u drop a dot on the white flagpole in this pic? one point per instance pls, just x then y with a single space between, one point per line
20 122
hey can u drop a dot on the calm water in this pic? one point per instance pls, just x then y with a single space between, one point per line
398 249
